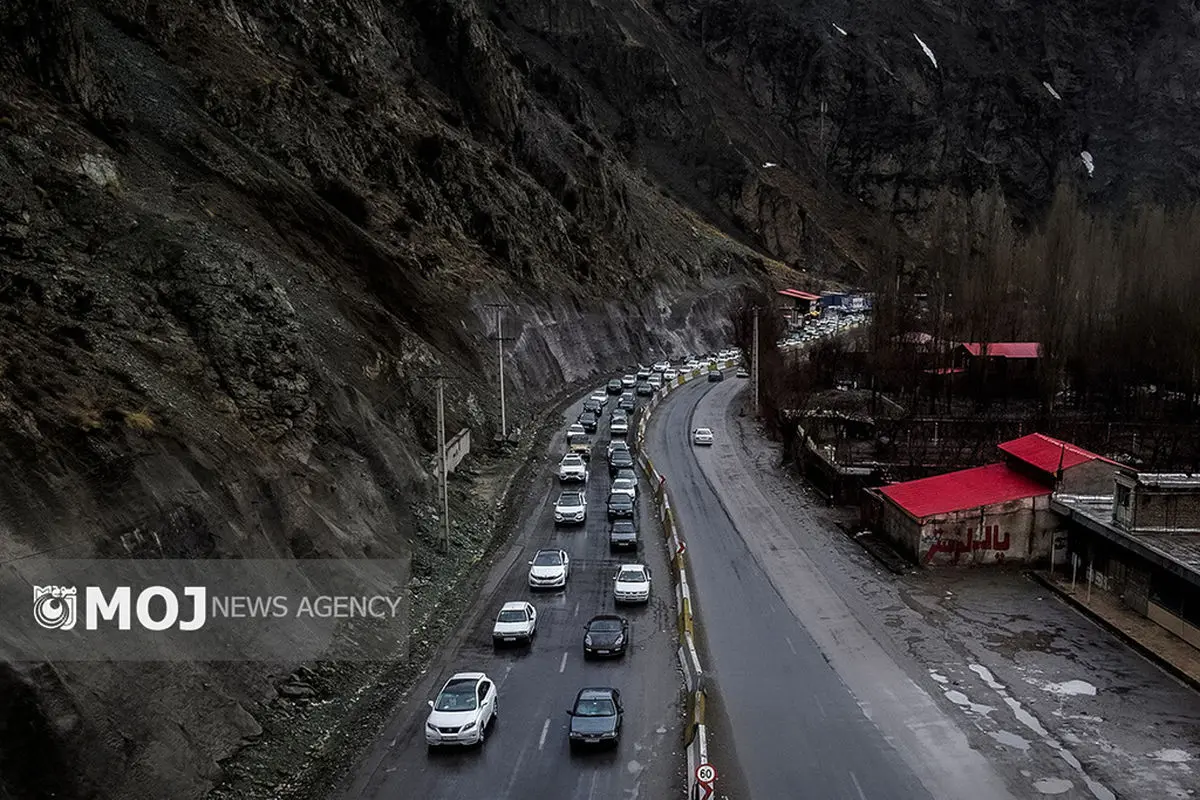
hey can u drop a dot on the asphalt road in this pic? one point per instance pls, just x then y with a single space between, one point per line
526 754
813 706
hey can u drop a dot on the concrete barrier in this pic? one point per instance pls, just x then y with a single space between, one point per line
696 733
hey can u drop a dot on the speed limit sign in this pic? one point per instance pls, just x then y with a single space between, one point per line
706 773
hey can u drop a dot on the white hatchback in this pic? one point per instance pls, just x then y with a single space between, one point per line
702 436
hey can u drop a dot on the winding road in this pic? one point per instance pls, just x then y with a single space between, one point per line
814 703
526 754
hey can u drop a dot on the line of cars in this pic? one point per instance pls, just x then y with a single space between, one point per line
821 328
468 705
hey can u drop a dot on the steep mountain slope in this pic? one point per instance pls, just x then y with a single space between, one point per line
238 240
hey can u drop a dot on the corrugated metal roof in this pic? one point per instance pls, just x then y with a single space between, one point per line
1005 349
799 295
962 490
1169 480
1046 452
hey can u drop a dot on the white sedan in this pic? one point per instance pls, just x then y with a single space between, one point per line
516 622
549 569
632 584
463 710
625 486
702 436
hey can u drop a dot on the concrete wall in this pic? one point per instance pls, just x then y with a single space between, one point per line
1019 530
900 529
1091 477
1154 509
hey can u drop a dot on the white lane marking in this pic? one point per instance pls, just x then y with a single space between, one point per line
577 609
563 666
857 787
820 707
789 641
545 730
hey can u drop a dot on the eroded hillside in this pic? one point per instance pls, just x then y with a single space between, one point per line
238 240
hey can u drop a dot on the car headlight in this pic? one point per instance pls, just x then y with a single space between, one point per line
608 735
429 726
588 640
468 726
620 641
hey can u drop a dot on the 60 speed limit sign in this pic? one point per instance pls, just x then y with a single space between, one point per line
706 773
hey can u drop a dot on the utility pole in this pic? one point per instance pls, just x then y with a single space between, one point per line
755 365
500 358
441 426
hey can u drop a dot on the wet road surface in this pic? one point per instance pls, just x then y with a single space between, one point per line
1058 706
526 754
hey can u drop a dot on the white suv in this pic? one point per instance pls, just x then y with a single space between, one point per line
462 711
570 507
572 468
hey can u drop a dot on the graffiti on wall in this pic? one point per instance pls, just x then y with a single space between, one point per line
989 541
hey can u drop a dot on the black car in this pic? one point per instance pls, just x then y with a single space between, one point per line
627 402
589 421
715 376
620 505
644 388
622 535
619 460
614 386
596 717
593 407
606 635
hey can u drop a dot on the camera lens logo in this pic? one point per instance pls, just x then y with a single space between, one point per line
54 607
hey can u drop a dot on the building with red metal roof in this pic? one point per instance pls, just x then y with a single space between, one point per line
1003 349
997 512
966 489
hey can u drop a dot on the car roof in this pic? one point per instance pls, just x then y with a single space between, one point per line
611 495
625 567
563 495
555 550
624 523
596 693
466 676
707 430
513 605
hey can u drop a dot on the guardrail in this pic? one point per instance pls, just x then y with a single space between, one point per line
696 734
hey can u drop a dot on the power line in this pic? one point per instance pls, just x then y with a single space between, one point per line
500 340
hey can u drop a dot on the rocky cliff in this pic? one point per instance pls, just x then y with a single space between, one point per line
238 241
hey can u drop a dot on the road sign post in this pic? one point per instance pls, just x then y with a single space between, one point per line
706 774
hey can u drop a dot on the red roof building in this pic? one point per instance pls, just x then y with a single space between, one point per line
1060 464
1004 349
963 490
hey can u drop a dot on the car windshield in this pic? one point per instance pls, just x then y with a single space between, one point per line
513 615
623 526
620 499
547 558
569 500
595 708
457 696
605 626
622 483
631 576
577 438
572 461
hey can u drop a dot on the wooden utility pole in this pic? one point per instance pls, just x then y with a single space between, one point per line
499 307
755 363
442 461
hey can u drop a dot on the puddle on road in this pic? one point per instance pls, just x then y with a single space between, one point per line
939 678
1053 785
986 674
1070 688
960 699
1010 739
1172 756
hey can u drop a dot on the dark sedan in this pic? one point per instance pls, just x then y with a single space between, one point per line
619 460
605 635
596 717
627 402
589 421
623 535
593 407
715 376
614 386
620 505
